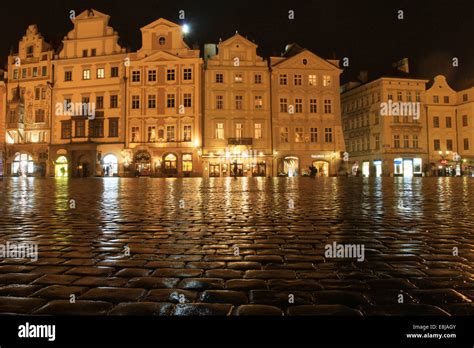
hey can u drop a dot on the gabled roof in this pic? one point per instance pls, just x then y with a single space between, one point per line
294 50
237 37
91 13
161 54
159 21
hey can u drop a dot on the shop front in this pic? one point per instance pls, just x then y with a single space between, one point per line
237 160
366 169
407 167
322 168
142 162
237 165
289 166
378 168
22 165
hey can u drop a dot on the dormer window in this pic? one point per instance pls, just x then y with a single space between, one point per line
162 40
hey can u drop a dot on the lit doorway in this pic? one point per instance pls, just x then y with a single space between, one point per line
259 169
171 165
407 168
378 168
142 163
61 167
366 169
110 165
290 166
214 170
322 168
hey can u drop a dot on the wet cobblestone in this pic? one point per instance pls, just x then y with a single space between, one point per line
238 247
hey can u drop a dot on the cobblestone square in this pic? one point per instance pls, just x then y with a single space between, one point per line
248 246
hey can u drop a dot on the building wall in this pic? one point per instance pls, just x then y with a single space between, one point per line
442 124
371 137
30 70
237 98
89 70
164 136
465 125
291 145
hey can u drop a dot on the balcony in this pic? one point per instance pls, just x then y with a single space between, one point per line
239 141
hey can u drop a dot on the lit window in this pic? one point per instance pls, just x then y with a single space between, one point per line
187 132
326 80
239 130
220 131
258 131
299 134
100 73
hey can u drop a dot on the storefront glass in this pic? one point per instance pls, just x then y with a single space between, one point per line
366 169
22 165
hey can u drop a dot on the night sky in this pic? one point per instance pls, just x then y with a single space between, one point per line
368 32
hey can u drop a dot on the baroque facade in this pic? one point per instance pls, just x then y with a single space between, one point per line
28 109
164 104
449 128
383 139
306 114
94 109
89 93
237 133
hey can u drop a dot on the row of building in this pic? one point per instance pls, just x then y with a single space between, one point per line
91 108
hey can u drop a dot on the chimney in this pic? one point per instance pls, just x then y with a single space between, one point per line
363 76
402 65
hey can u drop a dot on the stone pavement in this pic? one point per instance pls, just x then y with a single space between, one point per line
238 247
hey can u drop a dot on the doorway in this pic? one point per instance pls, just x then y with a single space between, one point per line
322 168
61 167
110 165
291 166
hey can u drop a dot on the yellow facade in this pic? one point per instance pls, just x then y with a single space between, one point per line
306 115
450 129
237 133
164 104
385 145
95 109
88 100
28 106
